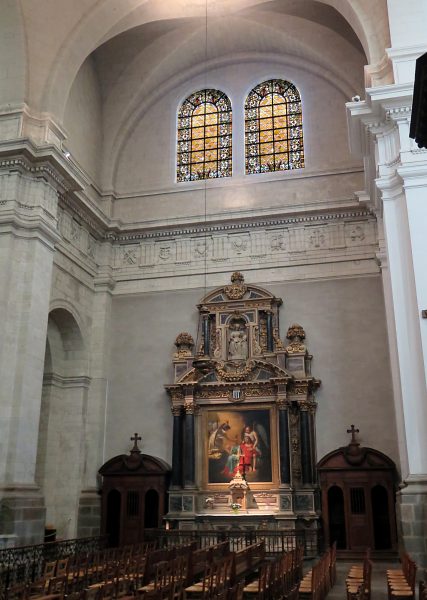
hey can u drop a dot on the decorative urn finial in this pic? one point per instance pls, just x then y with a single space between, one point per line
295 335
184 344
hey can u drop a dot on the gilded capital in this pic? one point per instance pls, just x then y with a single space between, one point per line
190 408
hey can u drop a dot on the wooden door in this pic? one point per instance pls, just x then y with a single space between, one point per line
358 517
358 499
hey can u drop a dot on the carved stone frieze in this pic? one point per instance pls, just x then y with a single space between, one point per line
282 241
77 235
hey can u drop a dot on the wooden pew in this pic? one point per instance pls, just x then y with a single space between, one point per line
401 582
247 560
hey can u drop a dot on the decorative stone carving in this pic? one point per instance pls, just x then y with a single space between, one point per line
184 343
238 289
296 335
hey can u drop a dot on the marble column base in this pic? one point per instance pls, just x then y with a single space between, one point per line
22 514
89 514
411 508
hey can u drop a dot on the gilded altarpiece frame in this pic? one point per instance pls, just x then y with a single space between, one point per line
243 410
250 444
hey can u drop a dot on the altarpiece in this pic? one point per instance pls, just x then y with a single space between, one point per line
243 410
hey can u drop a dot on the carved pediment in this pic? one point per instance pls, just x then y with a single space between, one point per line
238 290
357 457
134 464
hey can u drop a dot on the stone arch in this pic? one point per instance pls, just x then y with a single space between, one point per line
66 343
61 446
102 23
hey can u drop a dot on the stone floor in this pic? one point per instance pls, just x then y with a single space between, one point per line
378 586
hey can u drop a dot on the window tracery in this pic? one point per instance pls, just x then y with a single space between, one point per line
204 136
273 128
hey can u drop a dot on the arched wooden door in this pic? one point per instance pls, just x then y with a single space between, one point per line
358 499
133 496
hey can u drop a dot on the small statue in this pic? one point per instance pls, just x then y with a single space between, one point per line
238 343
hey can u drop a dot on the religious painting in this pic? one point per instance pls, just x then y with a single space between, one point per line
239 440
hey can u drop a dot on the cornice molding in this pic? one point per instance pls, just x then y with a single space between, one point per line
245 224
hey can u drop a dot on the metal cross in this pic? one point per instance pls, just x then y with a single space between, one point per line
135 441
353 432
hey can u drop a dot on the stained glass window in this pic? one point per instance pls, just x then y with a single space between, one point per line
204 136
273 128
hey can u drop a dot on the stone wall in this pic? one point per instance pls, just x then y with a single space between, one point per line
345 325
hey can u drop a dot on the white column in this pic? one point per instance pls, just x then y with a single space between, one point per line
394 357
407 324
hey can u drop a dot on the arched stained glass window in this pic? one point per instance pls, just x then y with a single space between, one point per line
204 136
273 128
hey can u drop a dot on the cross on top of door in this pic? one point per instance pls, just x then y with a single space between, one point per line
137 438
353 432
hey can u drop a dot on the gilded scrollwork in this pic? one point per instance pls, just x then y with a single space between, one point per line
256 348
218 343
234 370
277 341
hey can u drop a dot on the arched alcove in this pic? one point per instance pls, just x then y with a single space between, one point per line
61 447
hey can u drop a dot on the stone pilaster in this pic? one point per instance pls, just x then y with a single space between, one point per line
306 446
411 505
30 182
89 514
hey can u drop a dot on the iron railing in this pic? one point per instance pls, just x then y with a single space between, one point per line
26 563
276 541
